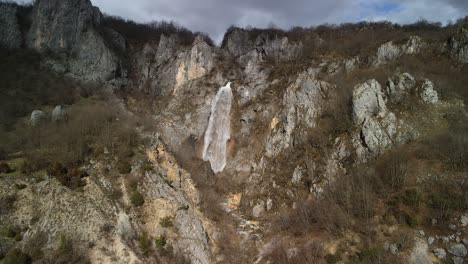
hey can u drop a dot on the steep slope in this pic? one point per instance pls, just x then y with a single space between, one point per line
69 29
336 153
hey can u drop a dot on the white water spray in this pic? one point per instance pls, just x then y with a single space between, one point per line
219 130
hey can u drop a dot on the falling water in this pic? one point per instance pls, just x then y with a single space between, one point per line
219 130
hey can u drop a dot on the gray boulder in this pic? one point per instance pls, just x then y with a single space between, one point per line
439 253
464 220
258 209
427 93
37 116
68 28
458 250
457 260
58 114
10 33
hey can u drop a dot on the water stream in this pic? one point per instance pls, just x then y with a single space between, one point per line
219 130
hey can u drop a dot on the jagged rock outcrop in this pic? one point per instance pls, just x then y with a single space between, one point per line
368 100
69 29
10 33
427 93
196 63
380 128
167 67
303 102
400 86
390 51
240 44
458 45
277 48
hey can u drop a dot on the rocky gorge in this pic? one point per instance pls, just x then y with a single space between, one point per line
333 155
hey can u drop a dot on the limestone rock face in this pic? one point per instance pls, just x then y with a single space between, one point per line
167 48
379 132
303 102
68 28
94 61
10 34
458 45
200 61
239 42
168 67
57 25
277 48
390 51
244 48
400 86
368 100
427 93
380 128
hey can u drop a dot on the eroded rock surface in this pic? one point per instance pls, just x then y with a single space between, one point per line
69 29
10 33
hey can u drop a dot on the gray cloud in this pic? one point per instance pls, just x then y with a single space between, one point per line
214 16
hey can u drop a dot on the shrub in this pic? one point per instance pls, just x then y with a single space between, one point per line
144 243
142 33
332 259
137 199
124 167
71 178
160 242
447 195
369 255
20 186
5 168
6 203
11 231
166 221
33 246
183 207
411 220
66 252
412 197
393 169
16 256
147 166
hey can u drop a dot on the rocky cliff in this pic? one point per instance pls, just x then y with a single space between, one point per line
70 31
313 171
10 34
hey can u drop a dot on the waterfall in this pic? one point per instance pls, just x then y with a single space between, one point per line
219 130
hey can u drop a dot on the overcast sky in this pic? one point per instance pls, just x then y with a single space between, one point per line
214 16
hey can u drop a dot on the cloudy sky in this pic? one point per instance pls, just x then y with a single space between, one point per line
214 16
